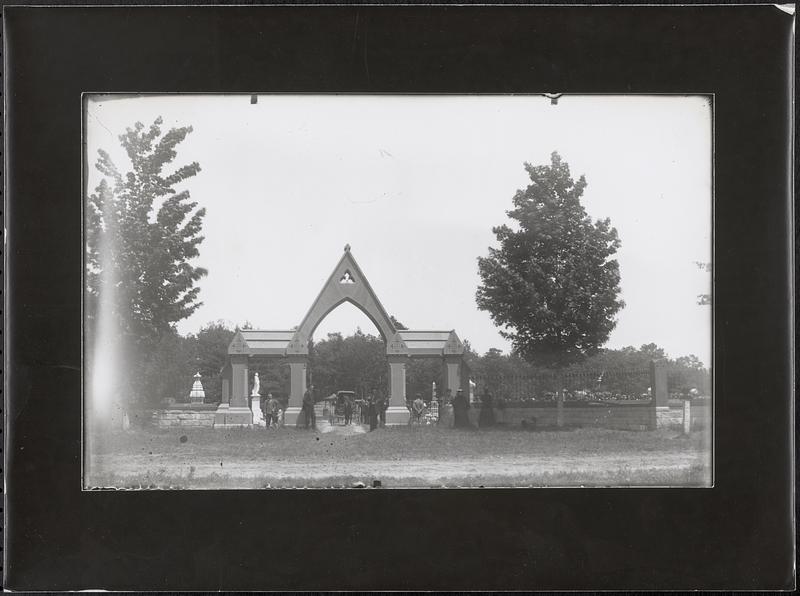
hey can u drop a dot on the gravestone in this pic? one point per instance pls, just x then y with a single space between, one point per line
197 395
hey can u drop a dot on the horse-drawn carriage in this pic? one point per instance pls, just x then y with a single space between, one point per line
341 406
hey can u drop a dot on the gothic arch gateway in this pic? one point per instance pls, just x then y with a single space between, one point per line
347 283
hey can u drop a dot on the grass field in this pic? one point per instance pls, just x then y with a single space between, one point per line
416 456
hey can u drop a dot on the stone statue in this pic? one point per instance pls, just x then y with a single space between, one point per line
256 386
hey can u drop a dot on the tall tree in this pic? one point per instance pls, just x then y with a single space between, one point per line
553 284
142 235
140 226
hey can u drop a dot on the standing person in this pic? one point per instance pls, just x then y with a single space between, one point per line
372 413
486 417
460 405
308 408
383 405
348 409
273 411
417 407
265 410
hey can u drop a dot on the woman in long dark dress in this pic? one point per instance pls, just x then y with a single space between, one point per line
460 405
372 413
486 417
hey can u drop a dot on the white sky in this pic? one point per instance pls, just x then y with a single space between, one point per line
414 184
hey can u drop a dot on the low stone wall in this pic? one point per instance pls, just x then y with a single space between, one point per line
621 417
192 415
673 417
701 414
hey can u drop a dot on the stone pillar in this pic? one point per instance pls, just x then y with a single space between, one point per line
658 383
226 388
297 379
235 412
239 381
397 412
687 416
452 374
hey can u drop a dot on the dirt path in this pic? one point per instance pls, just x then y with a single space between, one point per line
429 470
326 427
338 454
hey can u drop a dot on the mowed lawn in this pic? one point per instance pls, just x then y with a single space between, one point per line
418 456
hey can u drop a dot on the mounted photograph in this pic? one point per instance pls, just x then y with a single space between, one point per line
397 291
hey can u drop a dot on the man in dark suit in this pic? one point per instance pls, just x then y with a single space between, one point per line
309 400
383 405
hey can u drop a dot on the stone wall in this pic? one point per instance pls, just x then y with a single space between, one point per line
191 415
701 414
621 417
673 417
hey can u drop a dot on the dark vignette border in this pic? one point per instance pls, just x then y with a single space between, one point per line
736 535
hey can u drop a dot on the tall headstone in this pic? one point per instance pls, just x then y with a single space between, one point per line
658 383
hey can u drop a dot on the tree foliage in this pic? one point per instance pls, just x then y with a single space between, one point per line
168 370
358 363
142 234
355 363
211 349
553 284
683 373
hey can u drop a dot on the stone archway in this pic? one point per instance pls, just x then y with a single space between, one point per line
347 283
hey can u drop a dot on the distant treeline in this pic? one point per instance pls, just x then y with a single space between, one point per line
358 363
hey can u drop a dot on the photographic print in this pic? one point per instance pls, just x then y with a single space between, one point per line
397 291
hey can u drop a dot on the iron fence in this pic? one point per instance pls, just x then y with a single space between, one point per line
619 386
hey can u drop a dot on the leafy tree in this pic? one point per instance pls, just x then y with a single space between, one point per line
168 372
275 377
686 373
553 284
652 352
142 234
354 363
420 373
143 229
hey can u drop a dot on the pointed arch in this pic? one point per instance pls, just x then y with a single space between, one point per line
347 283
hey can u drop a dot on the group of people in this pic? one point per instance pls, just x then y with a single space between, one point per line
373 409
461 404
